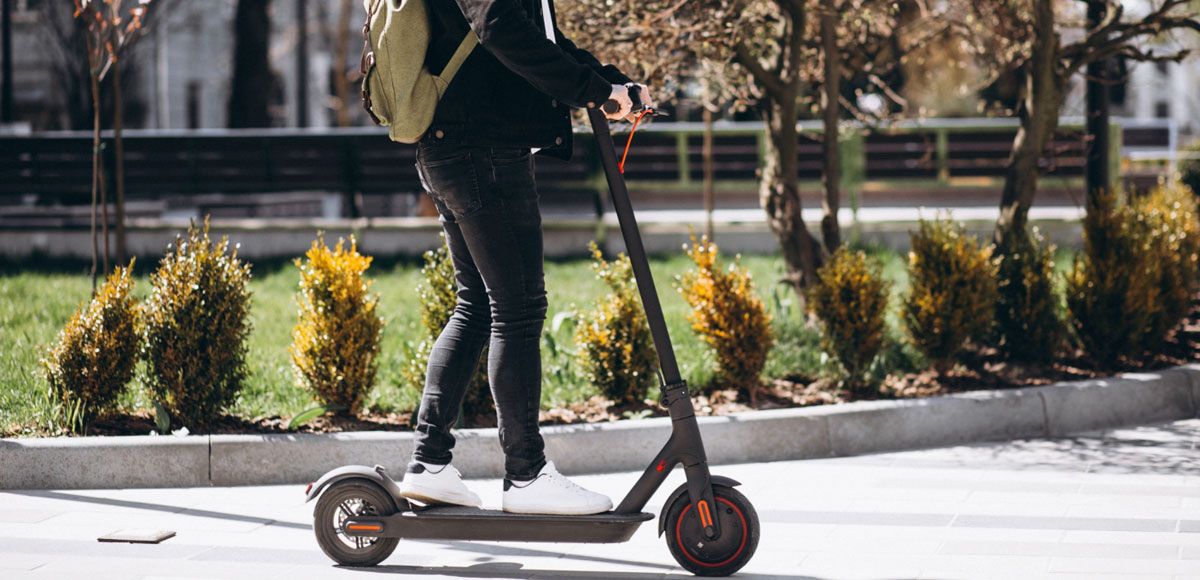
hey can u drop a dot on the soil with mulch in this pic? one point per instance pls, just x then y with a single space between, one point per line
982 370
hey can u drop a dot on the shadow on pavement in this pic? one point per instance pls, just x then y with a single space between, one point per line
516 570
500 569
519 552
58 495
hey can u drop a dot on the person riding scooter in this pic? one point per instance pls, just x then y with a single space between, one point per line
510 99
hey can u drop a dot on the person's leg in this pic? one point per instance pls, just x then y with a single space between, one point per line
452 360
455 353
501 226
490 213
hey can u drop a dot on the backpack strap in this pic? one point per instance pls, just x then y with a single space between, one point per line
460 56
366 63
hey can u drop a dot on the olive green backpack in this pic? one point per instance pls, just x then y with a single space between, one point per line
397 90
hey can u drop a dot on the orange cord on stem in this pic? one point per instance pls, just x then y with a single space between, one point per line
621 166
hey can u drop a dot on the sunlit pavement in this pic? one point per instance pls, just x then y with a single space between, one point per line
1119 504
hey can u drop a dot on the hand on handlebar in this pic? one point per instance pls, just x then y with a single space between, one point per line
619 104
647 100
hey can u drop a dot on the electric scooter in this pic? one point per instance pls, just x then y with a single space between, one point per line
711 529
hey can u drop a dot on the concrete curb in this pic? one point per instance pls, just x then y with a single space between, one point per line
757 436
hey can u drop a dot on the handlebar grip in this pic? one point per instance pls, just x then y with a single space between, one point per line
635 96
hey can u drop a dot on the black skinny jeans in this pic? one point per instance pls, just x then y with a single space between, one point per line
489 211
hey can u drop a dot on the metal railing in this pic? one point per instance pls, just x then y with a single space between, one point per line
930 154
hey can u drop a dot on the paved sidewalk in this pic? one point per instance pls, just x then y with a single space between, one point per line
1119 504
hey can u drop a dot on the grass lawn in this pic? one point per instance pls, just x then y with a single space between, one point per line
35 305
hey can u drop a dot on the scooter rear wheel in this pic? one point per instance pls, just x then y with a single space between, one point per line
342 501
724 555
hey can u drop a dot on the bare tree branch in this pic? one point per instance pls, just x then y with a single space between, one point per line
772 84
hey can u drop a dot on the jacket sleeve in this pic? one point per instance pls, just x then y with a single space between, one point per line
509 34
609 72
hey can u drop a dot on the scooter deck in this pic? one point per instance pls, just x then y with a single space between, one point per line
466 523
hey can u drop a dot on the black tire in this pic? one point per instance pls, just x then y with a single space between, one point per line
336 505
723 556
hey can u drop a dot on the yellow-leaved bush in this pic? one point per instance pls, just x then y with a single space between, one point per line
96 352
728 315
196 321
1111 290
952 291
850 298
1189 168
438 293
336 342
1168 222
615 348
1027 323
1134 281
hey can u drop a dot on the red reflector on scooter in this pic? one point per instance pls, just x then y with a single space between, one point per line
308 489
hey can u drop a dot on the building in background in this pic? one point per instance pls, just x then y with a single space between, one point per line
182 67
182 72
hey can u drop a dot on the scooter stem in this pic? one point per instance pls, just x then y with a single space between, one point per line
637 252
685 445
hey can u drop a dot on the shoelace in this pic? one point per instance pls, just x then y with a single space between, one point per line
570 485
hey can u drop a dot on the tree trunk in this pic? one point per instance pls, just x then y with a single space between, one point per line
779 196
6 64
119 160
97 167
707 154
830 231
1099 180
97 162
340 54
302 64
1039 120
252 84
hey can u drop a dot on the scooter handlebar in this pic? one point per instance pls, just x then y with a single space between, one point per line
635 95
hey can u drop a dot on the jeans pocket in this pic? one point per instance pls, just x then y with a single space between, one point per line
450 177
511 156
512 170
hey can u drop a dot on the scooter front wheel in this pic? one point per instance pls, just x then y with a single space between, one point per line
345 500
727 553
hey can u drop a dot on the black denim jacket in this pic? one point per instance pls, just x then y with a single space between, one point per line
516 88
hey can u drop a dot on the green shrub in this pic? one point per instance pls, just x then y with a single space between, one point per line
952 295
439 297
850 298
1027 321
96 352
335 344
1113 287
415 354
615 349
196 325
728 315
1168 226
1189 169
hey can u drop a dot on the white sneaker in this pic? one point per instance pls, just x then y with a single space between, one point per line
436 484
552 493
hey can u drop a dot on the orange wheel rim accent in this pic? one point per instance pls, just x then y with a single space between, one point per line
742 546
